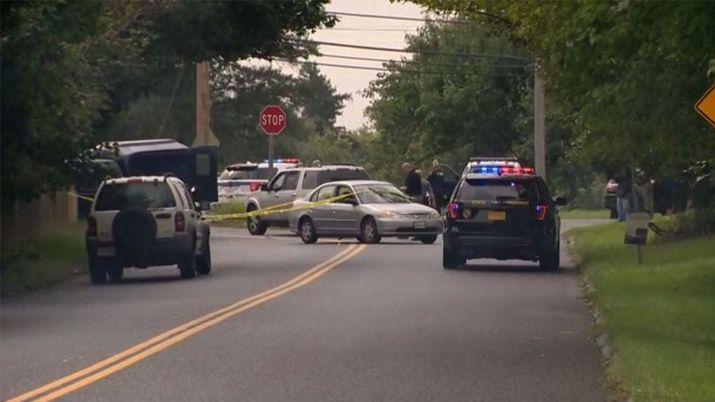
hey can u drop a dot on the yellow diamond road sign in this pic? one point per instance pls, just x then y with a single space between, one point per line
706 106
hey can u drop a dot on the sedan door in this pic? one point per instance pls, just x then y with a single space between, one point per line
322 213
345 211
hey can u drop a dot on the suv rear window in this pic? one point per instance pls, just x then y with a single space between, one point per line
118 196
263 173
329 175
498 190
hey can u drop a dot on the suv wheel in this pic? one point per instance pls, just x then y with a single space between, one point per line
550 260
368 231
307 231
451 259
115 271
428 239
203 262
255 224
97 271
187 264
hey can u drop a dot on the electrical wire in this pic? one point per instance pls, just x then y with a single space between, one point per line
384 69
425 52
395 17
339 56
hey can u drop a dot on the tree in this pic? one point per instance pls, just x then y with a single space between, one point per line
69 67
619 74
444 103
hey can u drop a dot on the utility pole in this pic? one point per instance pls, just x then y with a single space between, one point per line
204 136
539 124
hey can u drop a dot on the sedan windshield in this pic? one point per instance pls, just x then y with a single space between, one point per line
380 194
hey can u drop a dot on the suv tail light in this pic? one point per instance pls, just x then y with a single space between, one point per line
541 211
453 210
179 222
91 226
254 186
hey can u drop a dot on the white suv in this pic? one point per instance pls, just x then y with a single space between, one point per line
145 221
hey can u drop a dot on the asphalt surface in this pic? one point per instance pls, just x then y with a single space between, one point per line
387 324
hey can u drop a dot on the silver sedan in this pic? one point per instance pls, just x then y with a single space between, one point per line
368 210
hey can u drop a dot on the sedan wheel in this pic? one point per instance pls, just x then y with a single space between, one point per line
368 232
307 231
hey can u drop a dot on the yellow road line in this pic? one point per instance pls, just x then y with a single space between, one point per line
160 342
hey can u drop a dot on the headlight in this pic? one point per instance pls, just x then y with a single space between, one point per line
390 215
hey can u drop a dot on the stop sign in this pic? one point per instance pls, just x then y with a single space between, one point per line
272 120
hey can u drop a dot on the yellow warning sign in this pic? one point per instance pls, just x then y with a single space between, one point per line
706 106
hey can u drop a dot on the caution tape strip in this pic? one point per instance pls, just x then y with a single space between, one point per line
81 197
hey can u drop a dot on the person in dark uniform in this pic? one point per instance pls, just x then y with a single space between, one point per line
413 182
438 183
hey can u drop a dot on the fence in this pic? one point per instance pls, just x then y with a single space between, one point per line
28 219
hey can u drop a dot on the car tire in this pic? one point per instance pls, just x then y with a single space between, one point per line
255 224
551 259
306 230
115 271
368 231
428 239
451 259
203 262
97 271
187 265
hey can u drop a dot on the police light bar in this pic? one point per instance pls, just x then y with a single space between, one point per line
491 170
286 160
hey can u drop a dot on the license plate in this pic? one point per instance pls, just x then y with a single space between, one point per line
496 215
420 225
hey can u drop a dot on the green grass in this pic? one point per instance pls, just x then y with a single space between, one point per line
659 317
584 213
225 209
48 259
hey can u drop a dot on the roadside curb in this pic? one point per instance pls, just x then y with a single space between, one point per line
601 339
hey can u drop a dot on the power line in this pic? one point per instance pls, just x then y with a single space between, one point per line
425 52
401 70
394 17
375 29
338 56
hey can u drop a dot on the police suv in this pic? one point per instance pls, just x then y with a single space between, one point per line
501 210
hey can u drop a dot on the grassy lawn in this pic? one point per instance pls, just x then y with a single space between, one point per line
48 259
225 209
584 213
659 317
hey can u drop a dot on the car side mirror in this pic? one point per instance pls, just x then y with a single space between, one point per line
561 201
264 186
351 201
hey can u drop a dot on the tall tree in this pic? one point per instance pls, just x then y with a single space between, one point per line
69 66
449 103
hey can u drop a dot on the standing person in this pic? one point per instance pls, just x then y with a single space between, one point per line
623 195
436 180
413 182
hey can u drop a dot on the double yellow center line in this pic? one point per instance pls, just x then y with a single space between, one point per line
82 378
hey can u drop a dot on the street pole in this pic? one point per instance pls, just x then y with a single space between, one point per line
204 136
539 124
270 152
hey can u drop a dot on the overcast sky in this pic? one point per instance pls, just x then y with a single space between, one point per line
367 32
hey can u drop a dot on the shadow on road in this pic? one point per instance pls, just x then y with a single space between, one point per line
526 269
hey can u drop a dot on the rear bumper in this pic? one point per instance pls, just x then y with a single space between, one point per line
404 227
500 247
161 252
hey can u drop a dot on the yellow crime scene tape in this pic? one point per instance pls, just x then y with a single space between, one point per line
272 210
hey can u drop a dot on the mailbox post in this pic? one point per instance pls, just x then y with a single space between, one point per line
637 231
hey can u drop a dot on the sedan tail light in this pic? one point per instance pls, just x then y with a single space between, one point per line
91 226
453 210
179 222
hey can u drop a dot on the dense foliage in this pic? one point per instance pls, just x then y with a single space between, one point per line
446 103
69 68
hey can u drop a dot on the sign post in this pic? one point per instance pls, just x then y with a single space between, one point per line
273 121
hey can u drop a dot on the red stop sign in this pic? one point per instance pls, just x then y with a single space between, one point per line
272 120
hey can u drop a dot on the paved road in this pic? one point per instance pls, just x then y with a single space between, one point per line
386 323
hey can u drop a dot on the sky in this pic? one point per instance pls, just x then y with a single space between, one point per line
367 32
